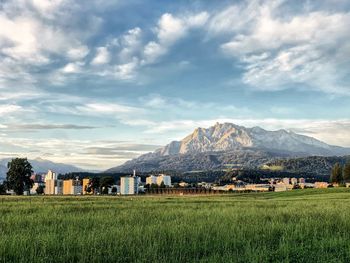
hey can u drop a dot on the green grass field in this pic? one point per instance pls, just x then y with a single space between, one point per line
297 226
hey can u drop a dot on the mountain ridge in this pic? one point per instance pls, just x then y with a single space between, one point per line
41 166
230 142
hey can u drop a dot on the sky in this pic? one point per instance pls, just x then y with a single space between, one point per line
96 83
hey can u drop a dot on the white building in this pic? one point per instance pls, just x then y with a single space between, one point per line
285 180
166 179
129 185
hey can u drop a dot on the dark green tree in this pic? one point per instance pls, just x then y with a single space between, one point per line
105 183
94 184
40 190
18 175
3 188
346 172
337 174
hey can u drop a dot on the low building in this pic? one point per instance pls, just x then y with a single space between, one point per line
183 184
294 181
286 181
301 180
321 185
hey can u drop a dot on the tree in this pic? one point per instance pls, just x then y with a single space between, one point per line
114 190
18 175
346 172
40 190
3 188
94 185
337 174
105 183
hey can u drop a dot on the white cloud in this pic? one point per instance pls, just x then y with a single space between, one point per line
169 30
102 56
282 51
106 108
126 71
10 108
72 68
131 45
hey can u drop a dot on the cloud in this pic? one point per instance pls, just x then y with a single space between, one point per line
169 30
10 108
280 51
33 127
102 56
73 67
106 108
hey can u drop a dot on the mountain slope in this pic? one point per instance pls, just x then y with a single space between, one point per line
228 136
227 143
41 166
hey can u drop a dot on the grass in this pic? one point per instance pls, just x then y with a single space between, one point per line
297 226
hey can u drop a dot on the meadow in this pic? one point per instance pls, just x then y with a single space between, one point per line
311 225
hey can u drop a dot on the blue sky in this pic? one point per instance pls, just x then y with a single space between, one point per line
95 83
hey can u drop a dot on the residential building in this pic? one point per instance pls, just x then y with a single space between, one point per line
302 180
51 183
165 179
285 180
72 187
129 185
183 184
85 184
294 181
321 185
151 179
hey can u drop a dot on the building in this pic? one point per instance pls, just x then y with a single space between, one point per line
183 184
52 184
158 180
85 184
72 187
285 180
165 179
321 185
129 185
151 179
301 180
294 181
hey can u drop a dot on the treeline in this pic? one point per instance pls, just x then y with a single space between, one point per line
340 173
317 165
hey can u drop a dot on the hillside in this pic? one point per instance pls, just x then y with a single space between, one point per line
41 166
318 165
225 144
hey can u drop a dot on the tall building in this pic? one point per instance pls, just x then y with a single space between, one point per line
166 179
151 180
50 183
86 182
162 178
72 187
129 185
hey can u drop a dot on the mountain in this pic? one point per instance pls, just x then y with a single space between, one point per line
227 143
41 166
